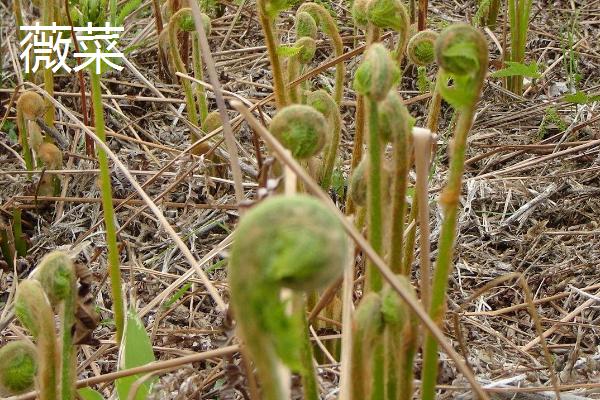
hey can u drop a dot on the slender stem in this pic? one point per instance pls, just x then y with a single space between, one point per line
17 10
114 270
89 142
374 196
493 12
198 74
68 353
22 126
401 160
411 237
180 67
20 244
357 147
162 64
46 342
377 384
422 144
271 42
331 150
47 16
293 70
423 5
435 105
450 200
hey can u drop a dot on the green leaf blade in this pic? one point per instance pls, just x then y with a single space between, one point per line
136 350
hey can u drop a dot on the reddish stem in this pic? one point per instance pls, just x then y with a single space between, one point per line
89 142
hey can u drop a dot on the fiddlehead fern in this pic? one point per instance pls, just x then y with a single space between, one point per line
360 13
358 183
395 126
34 311
400 334
30 106
462 54
56 274
50 157
330 28
374 78
367 348
18 367
308 47
306 26
301 129
420 50
326 105
213 121
385 14
292 242
377 74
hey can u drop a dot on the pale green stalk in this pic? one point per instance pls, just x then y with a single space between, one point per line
114 269
468 70
267 22
519 12
310 387
198 73
374 196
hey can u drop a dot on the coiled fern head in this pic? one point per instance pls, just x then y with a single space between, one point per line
306 26
461 49
377 74
421 47
308 48
391 14
290 241
18 367
56 274
358 183
31 105
301 129
394 118
185 21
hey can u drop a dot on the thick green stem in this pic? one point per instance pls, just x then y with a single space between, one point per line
401 159
308 373
271 41
450 200
519 11
330 158
68 353
374 196
114 270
